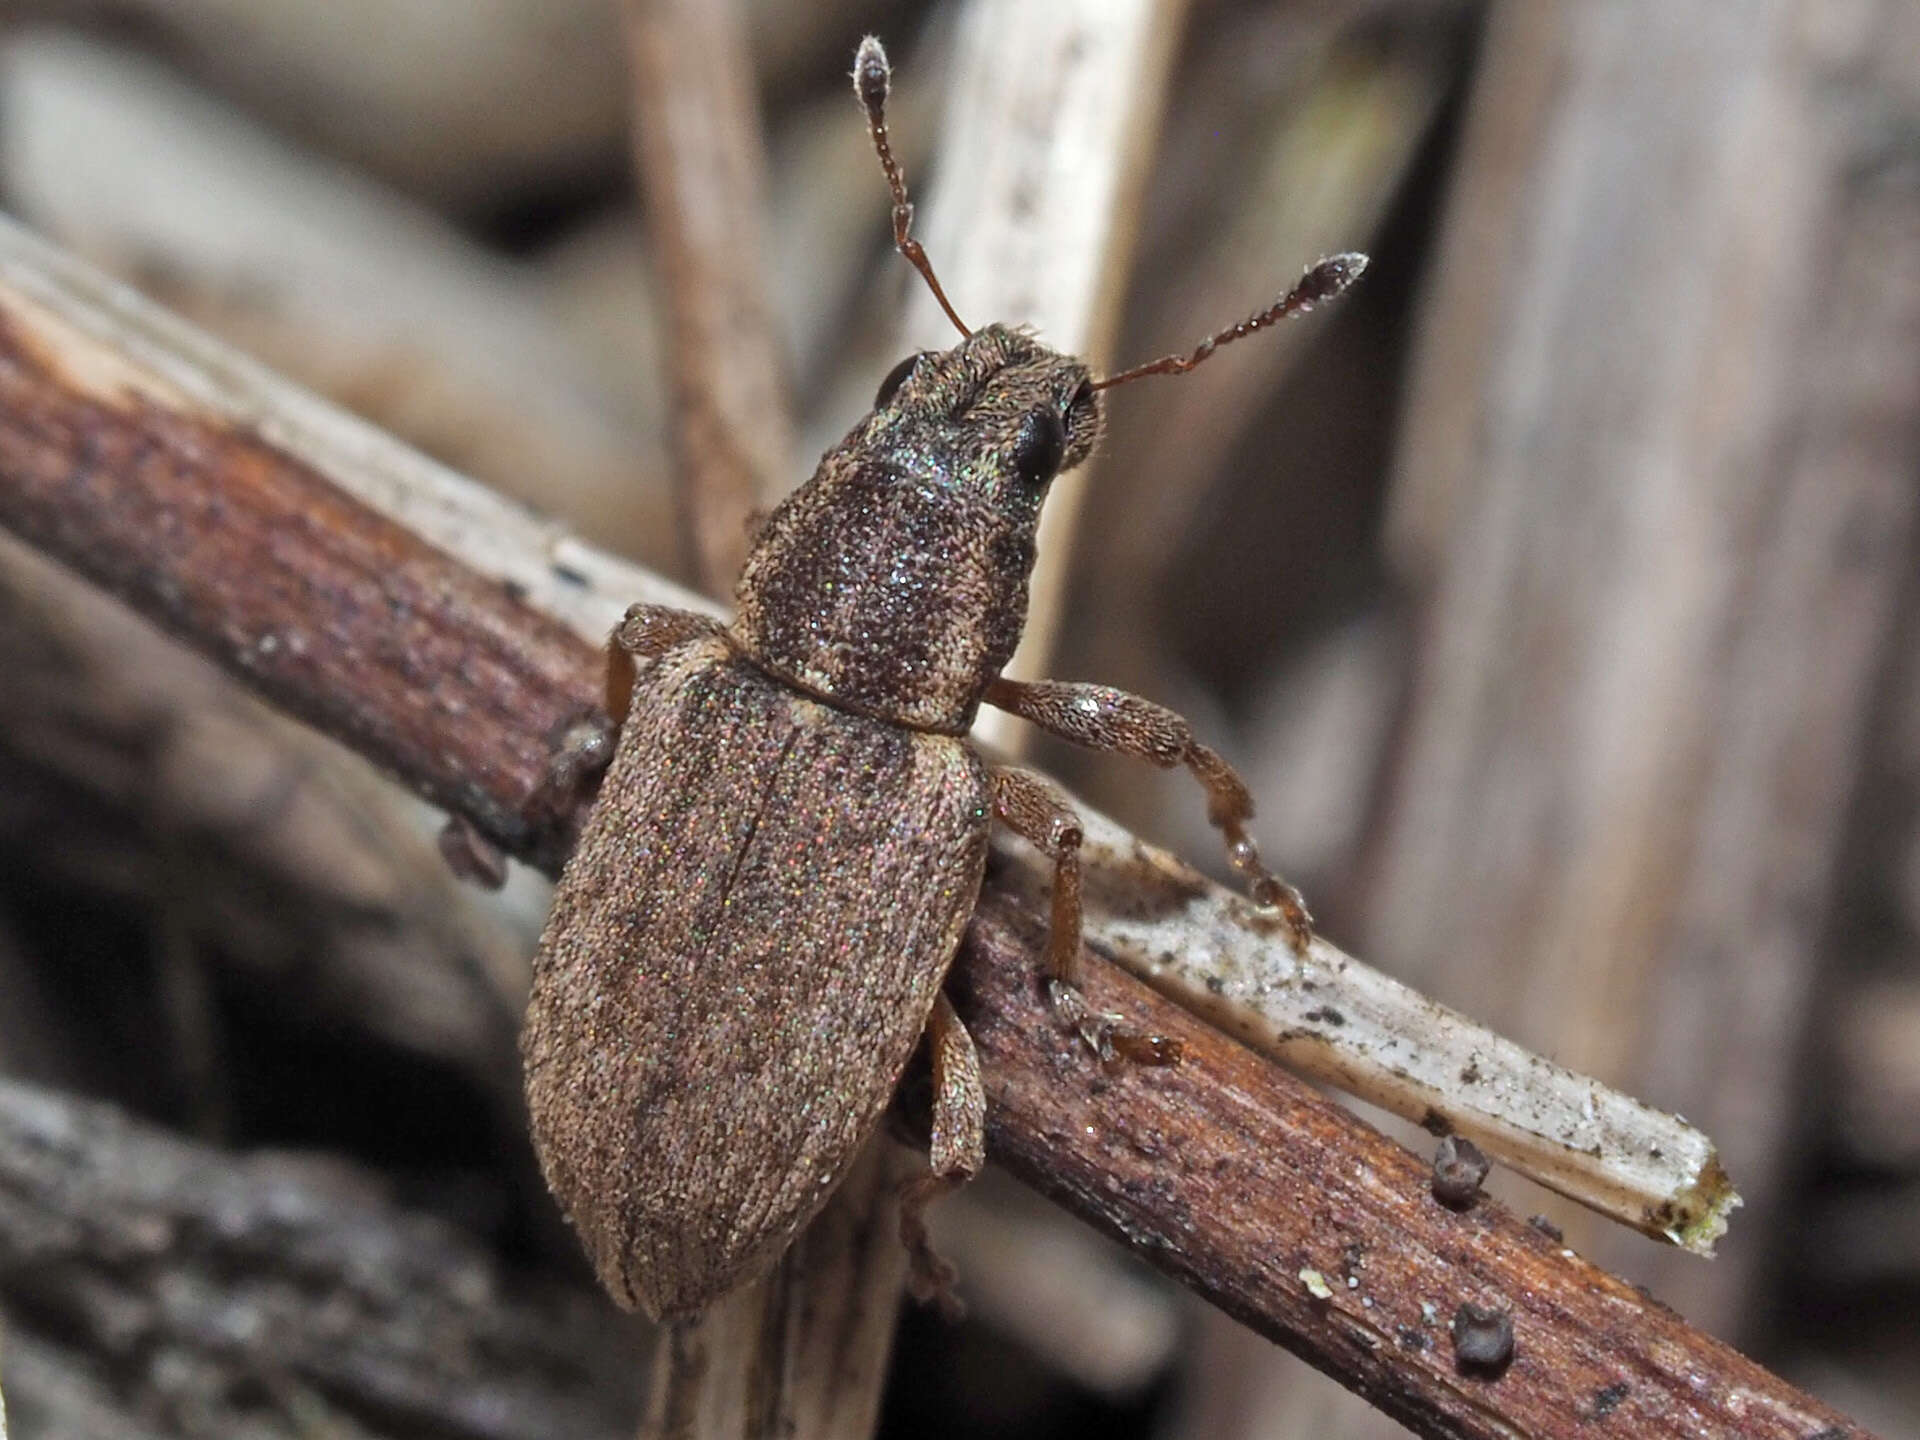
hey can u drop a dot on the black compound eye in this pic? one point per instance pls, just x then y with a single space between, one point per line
896 377
1039 445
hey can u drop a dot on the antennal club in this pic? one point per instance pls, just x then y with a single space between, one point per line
1324 280
872 79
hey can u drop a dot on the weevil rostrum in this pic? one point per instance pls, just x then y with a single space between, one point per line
752 935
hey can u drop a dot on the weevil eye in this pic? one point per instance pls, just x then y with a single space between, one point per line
896 377
1039 445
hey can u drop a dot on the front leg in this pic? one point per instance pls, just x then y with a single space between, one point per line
646 632
586 748
1102 718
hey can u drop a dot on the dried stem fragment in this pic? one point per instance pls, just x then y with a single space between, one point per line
1329 1016
698 147
815 1335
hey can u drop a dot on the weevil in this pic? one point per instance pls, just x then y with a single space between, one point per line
752 934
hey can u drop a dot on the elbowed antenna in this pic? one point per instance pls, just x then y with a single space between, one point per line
1323 280
872 78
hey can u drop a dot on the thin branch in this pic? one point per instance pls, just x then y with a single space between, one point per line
1309 1226
698 149
122 451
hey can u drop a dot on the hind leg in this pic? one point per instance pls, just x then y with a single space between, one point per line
958 1150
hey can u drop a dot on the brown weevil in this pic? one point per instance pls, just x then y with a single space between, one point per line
752 935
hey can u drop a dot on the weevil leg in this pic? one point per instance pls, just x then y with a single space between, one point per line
1102 718
958 1151
470 855
1038 813
646 632
585 746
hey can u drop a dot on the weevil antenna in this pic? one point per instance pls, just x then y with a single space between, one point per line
1323 280
872 79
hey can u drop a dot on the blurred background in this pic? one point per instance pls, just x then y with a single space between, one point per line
1555 592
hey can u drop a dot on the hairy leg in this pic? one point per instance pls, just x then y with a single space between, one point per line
1039 814
1102 718
958 1151
646 633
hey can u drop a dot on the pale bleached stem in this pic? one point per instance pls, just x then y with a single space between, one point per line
1052 119
1335 1020
804 1352
700 154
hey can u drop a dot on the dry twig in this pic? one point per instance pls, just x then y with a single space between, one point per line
804 1352
124 451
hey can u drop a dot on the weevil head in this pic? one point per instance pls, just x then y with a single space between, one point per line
894 582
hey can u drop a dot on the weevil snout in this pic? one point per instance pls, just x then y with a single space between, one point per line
1023 409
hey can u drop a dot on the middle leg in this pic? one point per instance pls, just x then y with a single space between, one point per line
1037 813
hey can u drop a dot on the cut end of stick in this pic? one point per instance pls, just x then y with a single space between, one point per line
1696 1217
